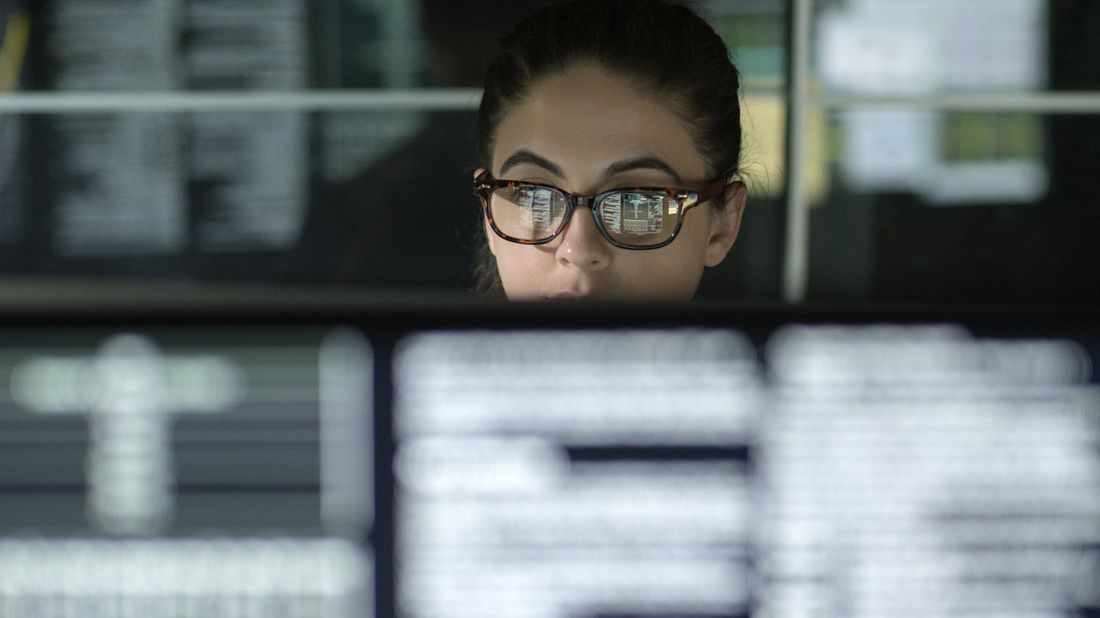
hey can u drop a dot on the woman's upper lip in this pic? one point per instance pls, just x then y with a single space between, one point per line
568 295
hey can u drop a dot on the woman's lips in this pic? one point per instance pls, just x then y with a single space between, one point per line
568 295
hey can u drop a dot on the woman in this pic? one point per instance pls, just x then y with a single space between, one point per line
609 138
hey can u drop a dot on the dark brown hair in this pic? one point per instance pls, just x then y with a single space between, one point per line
665 47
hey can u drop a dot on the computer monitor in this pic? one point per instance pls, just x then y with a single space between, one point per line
549 460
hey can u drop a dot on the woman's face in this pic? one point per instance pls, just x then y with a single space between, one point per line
586 130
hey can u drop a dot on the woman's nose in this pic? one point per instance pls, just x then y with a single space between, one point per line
582 244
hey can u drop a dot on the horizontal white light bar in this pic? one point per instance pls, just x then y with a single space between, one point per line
430 99
313 100
1031 102
460 99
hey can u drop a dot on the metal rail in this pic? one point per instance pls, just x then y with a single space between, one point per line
797 246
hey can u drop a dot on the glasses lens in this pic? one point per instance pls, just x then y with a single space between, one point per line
528 212
638 218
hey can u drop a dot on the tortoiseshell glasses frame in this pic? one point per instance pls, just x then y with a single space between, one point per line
485 185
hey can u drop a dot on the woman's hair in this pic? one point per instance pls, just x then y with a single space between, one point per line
666 49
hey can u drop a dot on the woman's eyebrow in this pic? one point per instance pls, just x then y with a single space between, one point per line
641 163
523 156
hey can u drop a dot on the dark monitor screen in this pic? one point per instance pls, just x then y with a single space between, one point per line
545 461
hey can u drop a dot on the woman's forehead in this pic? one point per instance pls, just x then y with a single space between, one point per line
586 117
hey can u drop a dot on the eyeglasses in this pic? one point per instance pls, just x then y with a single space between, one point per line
531 213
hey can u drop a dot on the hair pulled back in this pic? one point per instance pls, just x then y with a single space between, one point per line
665 48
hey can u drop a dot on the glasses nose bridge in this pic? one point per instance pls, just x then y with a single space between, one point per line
576 200
583 200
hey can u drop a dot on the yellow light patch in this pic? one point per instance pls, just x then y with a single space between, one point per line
672 209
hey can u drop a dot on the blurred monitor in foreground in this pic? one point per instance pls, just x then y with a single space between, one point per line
514 461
